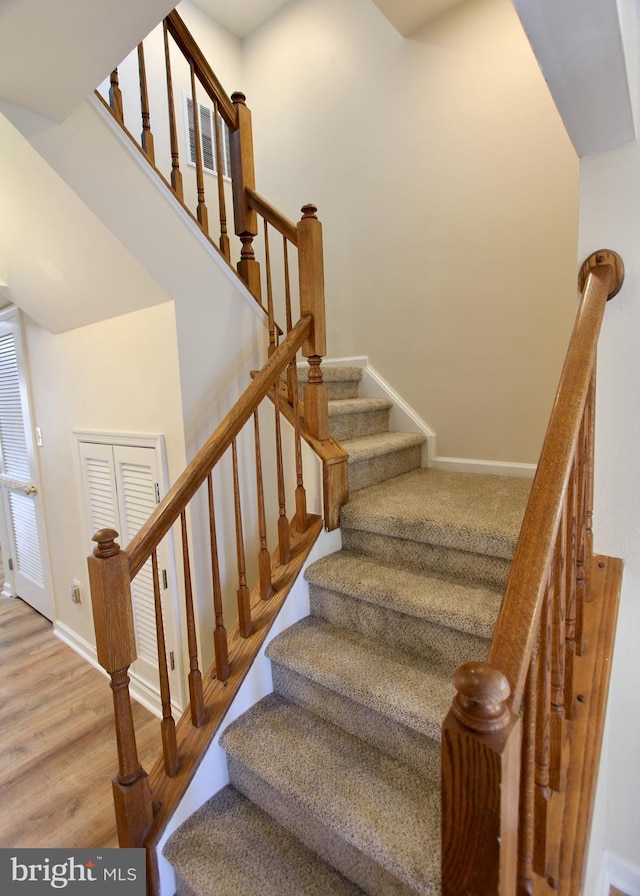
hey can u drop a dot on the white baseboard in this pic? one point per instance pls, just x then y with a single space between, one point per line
139 690
403 418
619 873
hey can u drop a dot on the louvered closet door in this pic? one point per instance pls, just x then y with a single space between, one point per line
122 490
22 527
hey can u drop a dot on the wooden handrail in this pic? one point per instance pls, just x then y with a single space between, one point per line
273 216
517 625
203 70
168 511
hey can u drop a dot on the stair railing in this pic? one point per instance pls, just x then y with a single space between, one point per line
277 275
142 801
504 739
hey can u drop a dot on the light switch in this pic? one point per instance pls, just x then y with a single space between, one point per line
38 437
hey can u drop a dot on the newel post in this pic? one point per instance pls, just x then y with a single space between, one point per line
480 786
116 646
243 177
311 278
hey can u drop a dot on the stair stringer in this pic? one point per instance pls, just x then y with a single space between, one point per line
213 774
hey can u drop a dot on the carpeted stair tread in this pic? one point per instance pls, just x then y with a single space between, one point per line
230 847
471 608
470 512
358 406
378 445
379 676
332 373
361 796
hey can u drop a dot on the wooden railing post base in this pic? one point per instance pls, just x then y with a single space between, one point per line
134 812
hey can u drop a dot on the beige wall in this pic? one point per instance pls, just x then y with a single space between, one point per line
120 375
448 191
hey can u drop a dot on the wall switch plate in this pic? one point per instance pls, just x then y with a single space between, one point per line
38 437
74 591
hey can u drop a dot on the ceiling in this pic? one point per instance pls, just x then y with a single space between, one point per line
243 18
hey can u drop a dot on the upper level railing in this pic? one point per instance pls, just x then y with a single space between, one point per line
504 740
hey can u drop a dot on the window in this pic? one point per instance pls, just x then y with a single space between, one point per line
207 137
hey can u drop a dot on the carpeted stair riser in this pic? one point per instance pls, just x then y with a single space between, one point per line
376 469
370 816
341 382
355 418
463 565
417 636
230 847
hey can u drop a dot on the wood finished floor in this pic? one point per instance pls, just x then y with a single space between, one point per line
57 744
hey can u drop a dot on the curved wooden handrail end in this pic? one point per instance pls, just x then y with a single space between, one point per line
603 257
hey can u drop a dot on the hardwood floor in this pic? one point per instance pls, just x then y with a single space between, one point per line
57 743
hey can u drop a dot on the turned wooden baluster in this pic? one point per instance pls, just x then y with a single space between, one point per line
202 213
481 747
116 649
196 699
220 643
527 785
115 96
571 634
301 495
243 177
225 246
284 535
176 174
311 277
558 634
167 725
245 624
264 558
542 792
590 410
146 137
270 315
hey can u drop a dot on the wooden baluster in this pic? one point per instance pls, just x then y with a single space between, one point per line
116 649
243 177
146 137
590 427
264 558
542 791
220 643
202 214
311 277
284 536
176 174
287 283
167 725
481 749
301 495
270 315
527 785
558 634
224 244
196 698
244 607
115 96
571 634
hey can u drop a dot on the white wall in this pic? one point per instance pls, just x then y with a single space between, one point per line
610 218
121 375
439 181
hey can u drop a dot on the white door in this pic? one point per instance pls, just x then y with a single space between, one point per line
122 488
22 528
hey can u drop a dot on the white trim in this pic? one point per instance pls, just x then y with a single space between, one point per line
619 873
493 467
403 418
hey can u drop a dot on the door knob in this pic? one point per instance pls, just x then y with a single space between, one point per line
31 490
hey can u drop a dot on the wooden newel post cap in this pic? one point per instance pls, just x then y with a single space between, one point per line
481 701
309 210
238 97
106 543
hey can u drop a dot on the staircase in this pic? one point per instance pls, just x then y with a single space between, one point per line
335 777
